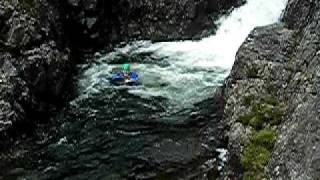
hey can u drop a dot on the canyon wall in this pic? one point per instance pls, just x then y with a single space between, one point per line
272 98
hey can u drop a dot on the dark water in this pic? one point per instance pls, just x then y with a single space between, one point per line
166 128
116 135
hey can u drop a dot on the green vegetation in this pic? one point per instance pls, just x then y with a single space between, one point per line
257 153
265 138
254 159
264 114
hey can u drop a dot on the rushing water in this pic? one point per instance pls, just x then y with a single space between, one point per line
166 128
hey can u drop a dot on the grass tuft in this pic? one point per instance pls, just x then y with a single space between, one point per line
265 138
266 112
257 154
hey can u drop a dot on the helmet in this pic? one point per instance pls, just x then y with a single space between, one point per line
126 67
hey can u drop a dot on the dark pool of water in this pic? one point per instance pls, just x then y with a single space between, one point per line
116 135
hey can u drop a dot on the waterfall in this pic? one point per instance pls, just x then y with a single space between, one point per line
193 69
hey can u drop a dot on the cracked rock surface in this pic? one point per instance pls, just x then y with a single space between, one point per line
280 59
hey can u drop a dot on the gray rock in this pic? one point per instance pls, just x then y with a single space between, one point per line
282 59
124 20
74 2
91 22
31 66
90 5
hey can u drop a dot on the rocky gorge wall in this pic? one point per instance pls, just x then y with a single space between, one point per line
272 99
34 64
96 23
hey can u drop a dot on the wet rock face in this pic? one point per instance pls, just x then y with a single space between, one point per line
33 70
282 60
298 13
259 71
297 153
99 22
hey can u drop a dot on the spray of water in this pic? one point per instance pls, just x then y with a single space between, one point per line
194 68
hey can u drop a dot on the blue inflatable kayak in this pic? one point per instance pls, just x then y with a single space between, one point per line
119 79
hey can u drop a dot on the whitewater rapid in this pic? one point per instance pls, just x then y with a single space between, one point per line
185 72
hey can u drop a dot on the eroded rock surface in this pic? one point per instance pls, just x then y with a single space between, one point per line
100 22
33 68
282 61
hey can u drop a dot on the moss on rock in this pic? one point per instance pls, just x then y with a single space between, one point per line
265 138
267 111
255 158
257 153
264 113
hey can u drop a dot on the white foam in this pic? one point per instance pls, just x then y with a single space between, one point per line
220 49
222 157
195 67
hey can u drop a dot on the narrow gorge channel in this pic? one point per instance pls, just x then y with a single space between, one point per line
168 127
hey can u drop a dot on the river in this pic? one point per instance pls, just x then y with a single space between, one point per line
168 127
